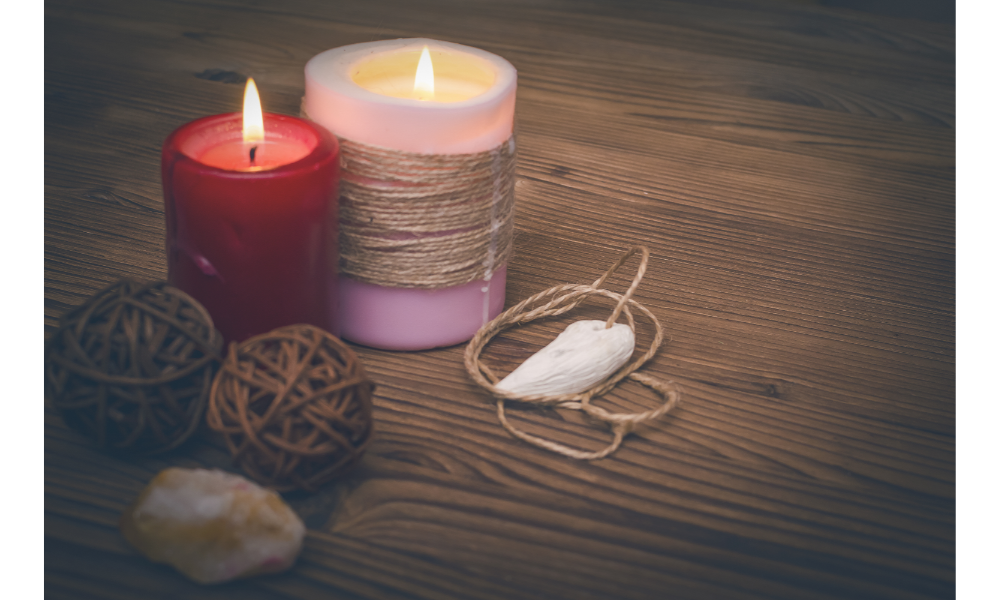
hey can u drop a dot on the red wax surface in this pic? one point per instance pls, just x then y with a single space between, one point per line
234 155
255 244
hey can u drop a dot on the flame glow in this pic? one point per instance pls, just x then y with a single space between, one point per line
253 118
423 82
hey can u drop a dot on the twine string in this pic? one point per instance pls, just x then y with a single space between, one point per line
425 221
556 301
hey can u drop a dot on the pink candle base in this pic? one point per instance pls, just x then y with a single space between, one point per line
412 319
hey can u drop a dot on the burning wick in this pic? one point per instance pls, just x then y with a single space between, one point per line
253 154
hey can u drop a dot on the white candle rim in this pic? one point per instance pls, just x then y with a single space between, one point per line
332 69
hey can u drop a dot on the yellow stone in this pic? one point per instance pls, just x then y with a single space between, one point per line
213 526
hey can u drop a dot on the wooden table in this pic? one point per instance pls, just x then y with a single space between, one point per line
791 168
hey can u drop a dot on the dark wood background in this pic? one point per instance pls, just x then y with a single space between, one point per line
791 166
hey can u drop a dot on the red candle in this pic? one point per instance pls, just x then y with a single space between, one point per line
252 223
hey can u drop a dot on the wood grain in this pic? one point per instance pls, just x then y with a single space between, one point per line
791 168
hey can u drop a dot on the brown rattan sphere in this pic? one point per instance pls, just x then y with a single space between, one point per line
294 406
132 367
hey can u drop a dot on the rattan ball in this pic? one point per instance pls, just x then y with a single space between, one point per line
132 368
294 406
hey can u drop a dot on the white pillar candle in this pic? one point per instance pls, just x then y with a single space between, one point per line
365 93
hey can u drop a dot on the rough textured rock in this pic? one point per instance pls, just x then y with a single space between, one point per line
213 526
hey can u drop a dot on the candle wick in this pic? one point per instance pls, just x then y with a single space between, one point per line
253 154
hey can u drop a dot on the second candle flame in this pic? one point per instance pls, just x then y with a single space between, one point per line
423 82
253 117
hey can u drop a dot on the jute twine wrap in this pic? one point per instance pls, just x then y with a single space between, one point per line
132 367
556 301
426 221
294 406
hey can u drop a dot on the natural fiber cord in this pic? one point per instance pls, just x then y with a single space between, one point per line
427 221
557 301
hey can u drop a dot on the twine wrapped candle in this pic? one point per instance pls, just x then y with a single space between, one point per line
427 194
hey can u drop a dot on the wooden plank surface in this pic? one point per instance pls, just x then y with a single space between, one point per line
790 166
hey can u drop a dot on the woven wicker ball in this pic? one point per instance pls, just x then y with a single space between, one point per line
131 368
294 406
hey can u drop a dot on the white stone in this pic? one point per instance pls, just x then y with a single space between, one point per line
213 526
584 354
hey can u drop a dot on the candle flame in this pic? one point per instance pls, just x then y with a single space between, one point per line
423 82
253 118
